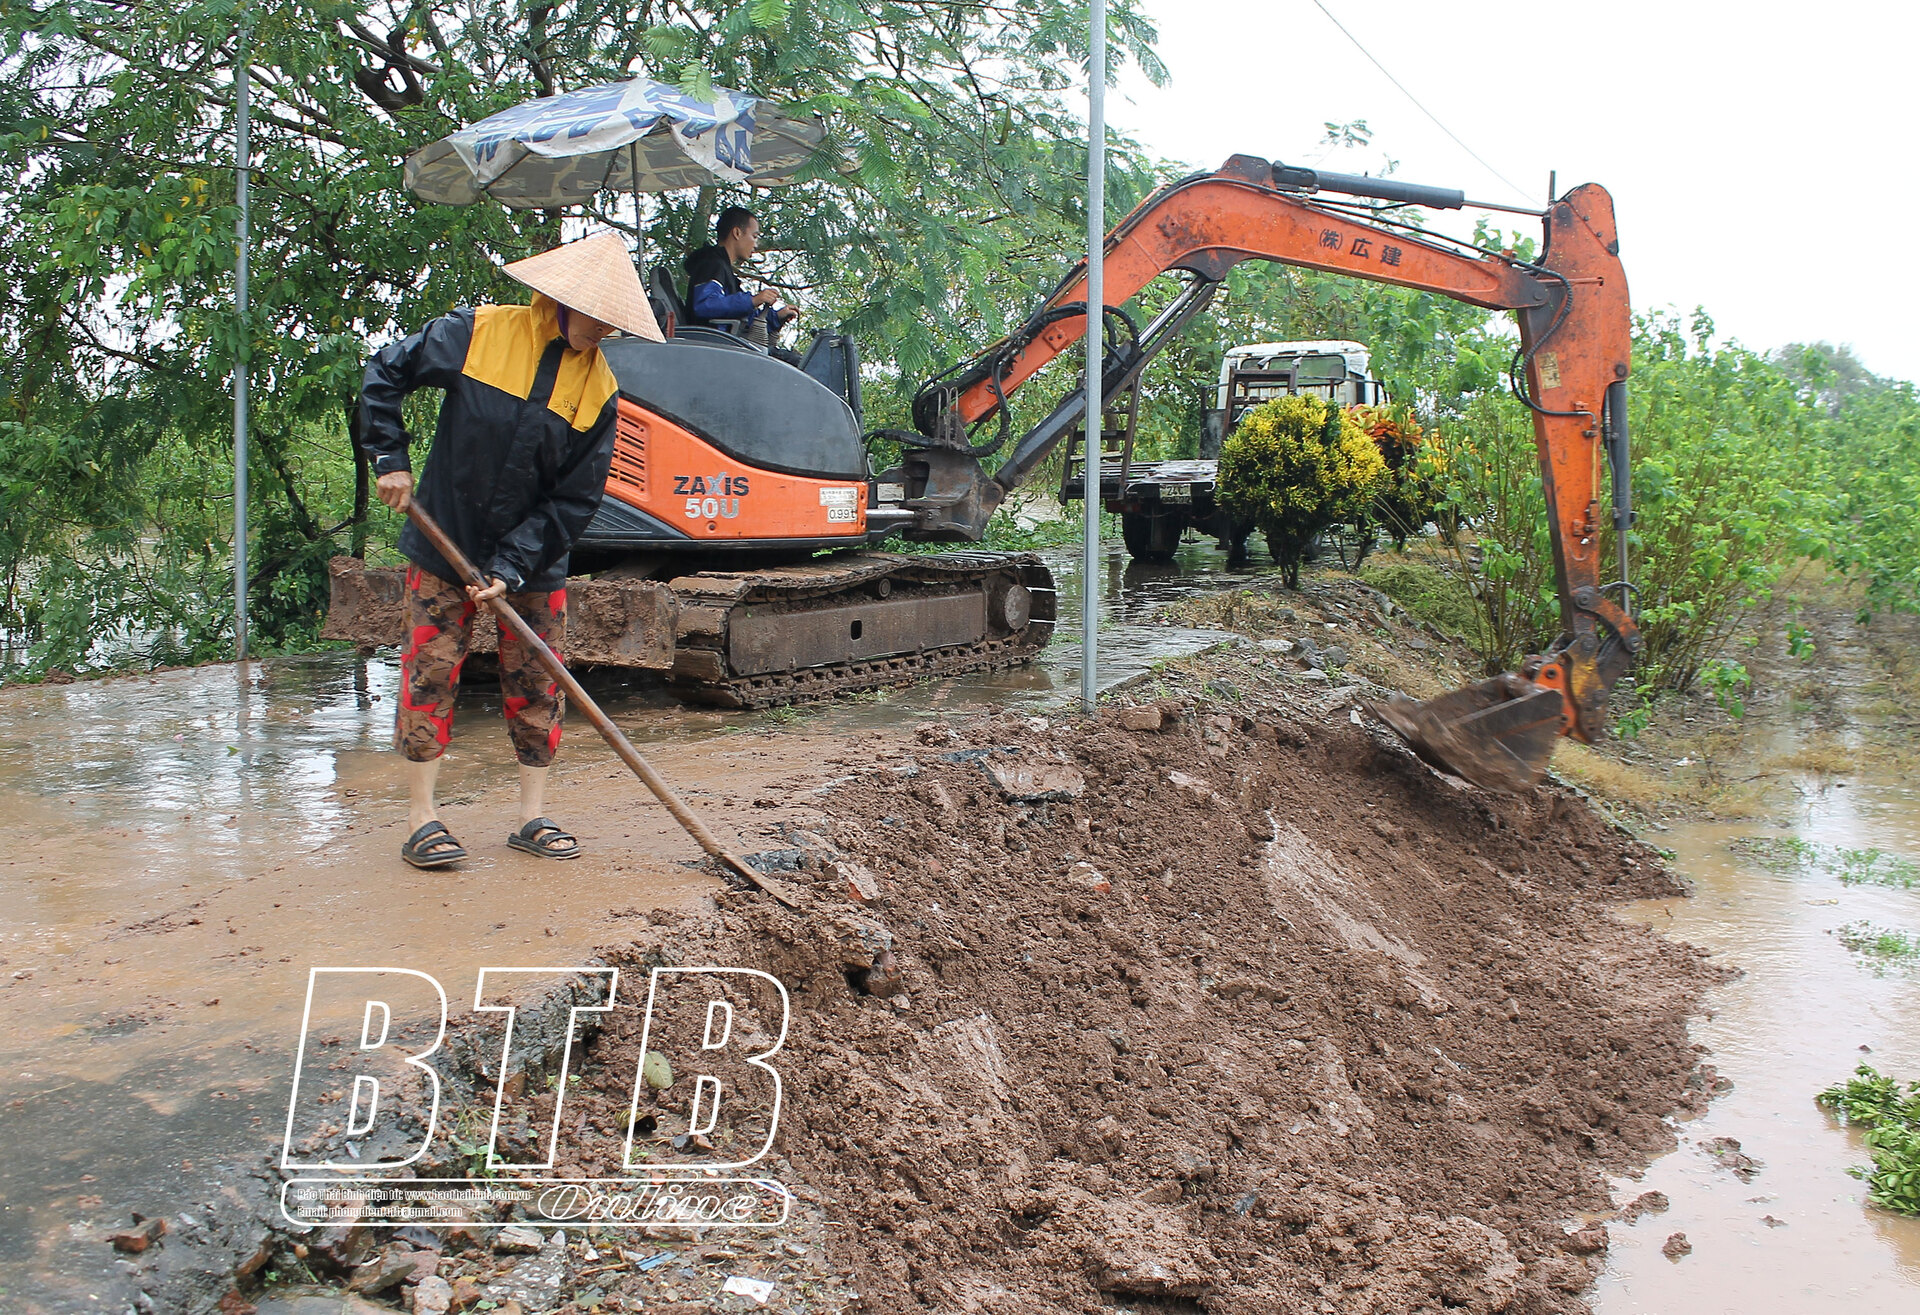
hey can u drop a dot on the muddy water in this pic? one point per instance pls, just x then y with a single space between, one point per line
1804 1013
180 849
1128 646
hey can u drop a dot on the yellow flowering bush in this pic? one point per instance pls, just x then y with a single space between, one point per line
1295 467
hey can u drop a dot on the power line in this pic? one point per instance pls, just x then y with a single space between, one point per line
1517 189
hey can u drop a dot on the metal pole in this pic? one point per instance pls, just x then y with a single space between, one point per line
1096 306
242 159
639 233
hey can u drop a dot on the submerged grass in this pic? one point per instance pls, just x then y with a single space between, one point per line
1776 853
1871 867
1854 867
1885 945
1891 1119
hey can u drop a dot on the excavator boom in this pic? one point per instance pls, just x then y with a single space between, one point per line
1575 340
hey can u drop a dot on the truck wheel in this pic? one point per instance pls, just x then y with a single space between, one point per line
1150 538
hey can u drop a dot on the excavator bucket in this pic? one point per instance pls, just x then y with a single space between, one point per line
1498 734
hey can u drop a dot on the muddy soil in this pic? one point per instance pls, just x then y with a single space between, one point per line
1239 1010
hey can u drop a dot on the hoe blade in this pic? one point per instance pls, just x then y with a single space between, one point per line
1497 734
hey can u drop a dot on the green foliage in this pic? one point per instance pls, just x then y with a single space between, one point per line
1872 439
1886 945
1873 867
948 191
1728 681
1491 480
1741 468
1854 867
1437 597
1727 490
1800 645
1295 467
1891 1119
1777 853
1633 723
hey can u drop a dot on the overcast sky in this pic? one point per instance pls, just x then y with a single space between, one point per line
1761 156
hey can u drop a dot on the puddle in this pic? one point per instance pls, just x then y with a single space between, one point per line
180 849
1803 1015
1129 645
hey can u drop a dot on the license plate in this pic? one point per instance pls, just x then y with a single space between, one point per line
1176 493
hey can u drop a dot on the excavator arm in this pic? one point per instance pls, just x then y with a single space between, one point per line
1575 338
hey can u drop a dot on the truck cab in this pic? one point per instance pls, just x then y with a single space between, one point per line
1259 372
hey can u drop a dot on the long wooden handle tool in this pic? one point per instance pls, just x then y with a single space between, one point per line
780 890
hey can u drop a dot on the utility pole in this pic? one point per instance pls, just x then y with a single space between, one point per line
242 160
1096 310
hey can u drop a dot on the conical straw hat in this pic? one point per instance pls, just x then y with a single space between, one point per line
594 276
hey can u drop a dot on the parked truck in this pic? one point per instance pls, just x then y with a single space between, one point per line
1158 501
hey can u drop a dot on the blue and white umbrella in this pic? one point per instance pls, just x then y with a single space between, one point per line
636 136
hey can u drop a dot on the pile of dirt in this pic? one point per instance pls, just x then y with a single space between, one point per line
1217 1004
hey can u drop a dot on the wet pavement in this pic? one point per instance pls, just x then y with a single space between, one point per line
181 848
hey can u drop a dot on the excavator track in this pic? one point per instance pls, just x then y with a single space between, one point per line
861 621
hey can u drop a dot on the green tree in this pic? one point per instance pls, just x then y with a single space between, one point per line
1872 444
946 197
1729 488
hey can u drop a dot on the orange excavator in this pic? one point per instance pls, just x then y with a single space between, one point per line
732 472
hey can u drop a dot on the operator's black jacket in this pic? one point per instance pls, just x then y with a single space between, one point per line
519 460
711 264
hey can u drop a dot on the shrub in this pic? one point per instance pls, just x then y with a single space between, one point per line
1296 467
1891 1119
1492 483
1728 491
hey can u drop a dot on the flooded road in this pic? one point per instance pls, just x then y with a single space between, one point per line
180 849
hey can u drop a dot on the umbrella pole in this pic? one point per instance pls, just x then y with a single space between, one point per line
639 231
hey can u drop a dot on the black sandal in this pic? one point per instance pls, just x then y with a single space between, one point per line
542 837
428 847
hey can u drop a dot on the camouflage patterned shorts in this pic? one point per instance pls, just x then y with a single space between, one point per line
439 628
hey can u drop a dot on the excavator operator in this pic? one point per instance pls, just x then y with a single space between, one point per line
714 291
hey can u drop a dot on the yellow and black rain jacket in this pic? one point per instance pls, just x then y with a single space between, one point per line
520 457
